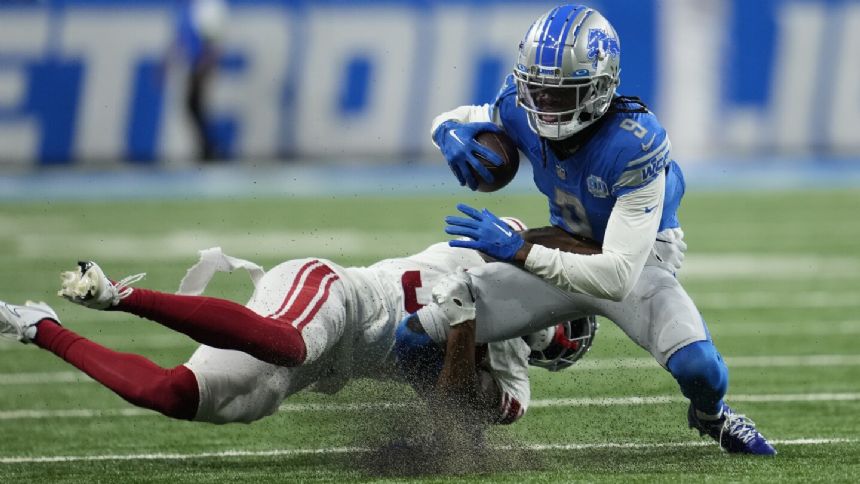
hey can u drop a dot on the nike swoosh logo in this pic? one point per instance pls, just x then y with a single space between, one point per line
649 210
454 135
646 147
506 232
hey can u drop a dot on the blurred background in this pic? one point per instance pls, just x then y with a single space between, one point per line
765 84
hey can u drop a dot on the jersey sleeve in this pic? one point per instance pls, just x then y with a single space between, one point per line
630 234
509 368
640 160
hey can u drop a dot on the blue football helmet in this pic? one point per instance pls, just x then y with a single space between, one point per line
560 346
567 70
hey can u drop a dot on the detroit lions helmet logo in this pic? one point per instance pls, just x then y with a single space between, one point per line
600 44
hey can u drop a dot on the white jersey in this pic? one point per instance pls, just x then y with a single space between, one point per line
400 287
348 318
403 286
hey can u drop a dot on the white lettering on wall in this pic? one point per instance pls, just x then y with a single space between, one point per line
387 37
24 36
845 89
795 92
110 43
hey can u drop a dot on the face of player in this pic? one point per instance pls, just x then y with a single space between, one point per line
557 104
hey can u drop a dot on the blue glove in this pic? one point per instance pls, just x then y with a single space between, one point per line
458 145
489 234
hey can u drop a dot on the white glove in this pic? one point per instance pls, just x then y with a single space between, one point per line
670 249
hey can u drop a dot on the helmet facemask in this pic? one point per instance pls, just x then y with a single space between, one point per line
567 70
559 107
560 346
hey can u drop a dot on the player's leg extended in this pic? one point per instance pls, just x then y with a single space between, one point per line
170 391
660 316
510 303
267 334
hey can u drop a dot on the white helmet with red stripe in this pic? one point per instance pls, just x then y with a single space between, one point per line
560 346
515 223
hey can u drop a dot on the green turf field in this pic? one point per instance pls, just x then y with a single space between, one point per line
775 275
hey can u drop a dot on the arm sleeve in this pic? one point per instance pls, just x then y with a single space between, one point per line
464 114
630 235
509 367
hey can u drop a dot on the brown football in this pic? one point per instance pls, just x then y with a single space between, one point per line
504 146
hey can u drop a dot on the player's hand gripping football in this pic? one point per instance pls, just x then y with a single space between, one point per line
489 234
458 145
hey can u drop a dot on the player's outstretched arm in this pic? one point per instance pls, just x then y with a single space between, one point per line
460 393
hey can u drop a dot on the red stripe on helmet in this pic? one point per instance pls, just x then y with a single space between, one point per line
563 339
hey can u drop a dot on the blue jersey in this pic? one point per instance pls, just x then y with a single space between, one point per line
626 151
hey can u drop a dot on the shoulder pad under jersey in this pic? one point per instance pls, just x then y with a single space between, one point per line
639 148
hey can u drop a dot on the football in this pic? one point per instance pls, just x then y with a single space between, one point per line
504 146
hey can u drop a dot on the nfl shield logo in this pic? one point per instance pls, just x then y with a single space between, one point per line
597 187
560 171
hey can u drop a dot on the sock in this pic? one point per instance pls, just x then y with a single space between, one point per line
172 392
707 416
702 376
221 324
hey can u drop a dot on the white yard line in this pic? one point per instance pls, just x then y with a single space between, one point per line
790 328
722 327
732 362
766 266
660 399
286 244
594 364
40 378
352 450
184 244
777 299
375 406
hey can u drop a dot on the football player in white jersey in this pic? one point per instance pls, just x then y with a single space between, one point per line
604 163
310 323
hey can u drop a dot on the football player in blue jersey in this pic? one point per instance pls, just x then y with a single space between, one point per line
604 163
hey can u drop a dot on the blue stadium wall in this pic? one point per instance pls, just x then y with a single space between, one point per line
80 79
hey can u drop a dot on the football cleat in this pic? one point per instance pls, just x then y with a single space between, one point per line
19 322
735 433
89 287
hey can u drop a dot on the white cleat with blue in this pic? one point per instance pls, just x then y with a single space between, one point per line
19 322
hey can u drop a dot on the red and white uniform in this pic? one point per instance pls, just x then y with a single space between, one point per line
348 318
